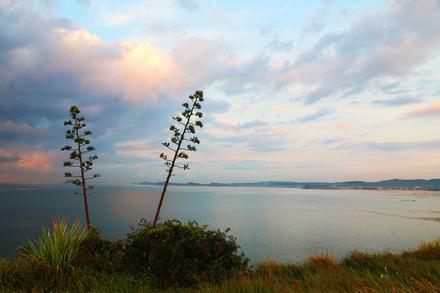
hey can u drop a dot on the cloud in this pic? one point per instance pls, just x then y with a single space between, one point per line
421 112
135 149
255 139
229 124
317 22
80 63
280 45
41 161
243 165
315 115
189 5
398 101
11 132
376 46
129 84
393 146
7 159
124 87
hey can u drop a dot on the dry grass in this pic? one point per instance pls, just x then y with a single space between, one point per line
324 259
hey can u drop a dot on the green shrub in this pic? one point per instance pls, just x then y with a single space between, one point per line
177 254
59 248
100 254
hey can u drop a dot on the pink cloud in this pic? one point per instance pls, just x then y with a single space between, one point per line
426 111
43 161
344 126
37 160
133 71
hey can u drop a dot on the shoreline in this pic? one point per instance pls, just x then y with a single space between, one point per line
293 187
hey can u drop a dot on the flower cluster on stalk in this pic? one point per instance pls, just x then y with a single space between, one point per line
186 123
81 152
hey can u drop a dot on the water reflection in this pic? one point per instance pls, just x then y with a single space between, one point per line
279 223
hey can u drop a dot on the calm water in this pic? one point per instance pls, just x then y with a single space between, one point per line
279 223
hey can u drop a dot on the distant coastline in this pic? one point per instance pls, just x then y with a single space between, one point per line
392 184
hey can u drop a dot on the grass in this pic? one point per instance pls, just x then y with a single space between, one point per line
412 271
59 248
416 270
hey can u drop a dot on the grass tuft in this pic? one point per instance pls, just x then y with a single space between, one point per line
427 250
324 259
57 248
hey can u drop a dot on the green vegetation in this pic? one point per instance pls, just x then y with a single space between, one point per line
183 255
81 147
186 257
57 249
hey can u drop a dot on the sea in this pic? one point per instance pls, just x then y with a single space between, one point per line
281 224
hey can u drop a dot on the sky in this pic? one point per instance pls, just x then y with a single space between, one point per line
320 90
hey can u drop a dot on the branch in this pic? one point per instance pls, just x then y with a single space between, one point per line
170 148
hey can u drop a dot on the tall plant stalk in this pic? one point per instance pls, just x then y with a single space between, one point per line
78 153
185 124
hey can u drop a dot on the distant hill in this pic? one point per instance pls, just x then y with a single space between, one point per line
412 184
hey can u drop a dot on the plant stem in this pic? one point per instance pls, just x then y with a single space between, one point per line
170 171
83 179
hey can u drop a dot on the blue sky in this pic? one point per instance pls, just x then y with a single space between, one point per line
295 90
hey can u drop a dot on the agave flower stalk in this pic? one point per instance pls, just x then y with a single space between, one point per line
78 154
186 123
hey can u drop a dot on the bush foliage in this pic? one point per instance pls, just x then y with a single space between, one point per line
184 254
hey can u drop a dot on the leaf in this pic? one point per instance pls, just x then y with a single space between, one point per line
74 155
199 94
74 110
66 148
195 140
67 163
183 155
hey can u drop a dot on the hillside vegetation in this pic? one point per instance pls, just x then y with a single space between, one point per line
187 257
